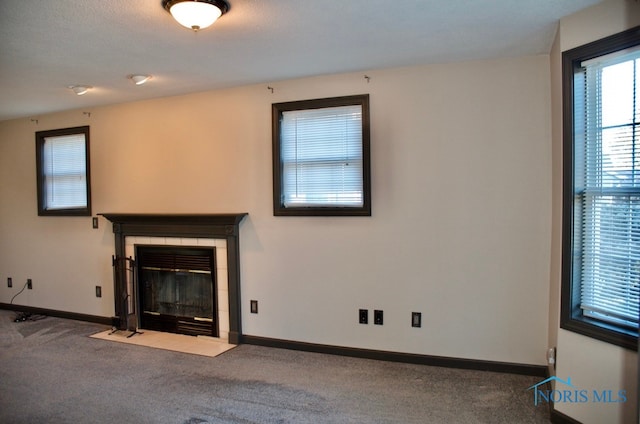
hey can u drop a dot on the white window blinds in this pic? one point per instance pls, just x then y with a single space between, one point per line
607 186
321 154
65 172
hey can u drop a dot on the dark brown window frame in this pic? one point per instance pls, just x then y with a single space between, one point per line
571 318
279 208
40 139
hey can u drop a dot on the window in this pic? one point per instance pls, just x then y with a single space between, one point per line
62 165
321 157
601 223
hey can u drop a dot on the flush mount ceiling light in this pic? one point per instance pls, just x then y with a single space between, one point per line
139 79
80 89
196 14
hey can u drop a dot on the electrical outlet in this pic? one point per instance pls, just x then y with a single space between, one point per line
29 284
363 316
94 222
9 282
378 317
551 357
416 319
254 306
98 291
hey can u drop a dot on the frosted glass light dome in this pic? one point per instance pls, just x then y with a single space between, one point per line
196 14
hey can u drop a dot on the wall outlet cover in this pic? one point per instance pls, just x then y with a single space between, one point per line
416 319
363 316
254 306
378 317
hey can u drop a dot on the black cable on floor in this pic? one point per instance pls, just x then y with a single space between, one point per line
24 316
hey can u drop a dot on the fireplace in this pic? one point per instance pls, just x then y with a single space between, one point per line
176 289
183 238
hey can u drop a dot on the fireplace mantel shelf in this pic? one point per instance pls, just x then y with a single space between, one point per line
211 219
200 225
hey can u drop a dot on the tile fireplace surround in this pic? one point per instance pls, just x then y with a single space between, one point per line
219 230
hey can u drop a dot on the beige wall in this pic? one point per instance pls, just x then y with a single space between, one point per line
591 364
461 160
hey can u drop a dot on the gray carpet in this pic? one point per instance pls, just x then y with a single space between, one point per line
51 372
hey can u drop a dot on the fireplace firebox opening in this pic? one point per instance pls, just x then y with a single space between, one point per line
177 289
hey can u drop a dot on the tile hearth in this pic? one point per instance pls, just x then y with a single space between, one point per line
195 345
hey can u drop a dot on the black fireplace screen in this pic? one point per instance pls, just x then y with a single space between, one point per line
176 281
177 292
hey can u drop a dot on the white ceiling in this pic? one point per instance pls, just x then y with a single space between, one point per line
48 45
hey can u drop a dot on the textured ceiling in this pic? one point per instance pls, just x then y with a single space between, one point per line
48 45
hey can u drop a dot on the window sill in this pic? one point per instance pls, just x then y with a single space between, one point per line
603 332
65 212
321 211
